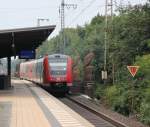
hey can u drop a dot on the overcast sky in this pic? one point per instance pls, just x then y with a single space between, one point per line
24 13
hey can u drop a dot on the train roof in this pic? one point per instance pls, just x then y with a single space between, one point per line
57 56
49 56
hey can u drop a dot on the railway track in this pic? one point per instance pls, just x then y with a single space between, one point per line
92 116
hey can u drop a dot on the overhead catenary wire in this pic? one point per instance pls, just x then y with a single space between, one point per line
82 11
96 8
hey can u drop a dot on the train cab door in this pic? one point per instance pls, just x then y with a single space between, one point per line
41 72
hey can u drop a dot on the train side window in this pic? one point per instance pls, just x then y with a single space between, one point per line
38 68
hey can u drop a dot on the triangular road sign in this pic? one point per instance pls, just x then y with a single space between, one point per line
133 70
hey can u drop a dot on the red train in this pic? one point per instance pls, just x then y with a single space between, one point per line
52 71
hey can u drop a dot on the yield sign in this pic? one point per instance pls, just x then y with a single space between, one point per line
133 70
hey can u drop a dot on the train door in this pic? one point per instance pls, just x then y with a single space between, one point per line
41 72
38 71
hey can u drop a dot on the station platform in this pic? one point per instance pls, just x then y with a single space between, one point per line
27 105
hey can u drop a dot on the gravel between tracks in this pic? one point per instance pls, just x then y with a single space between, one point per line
100 108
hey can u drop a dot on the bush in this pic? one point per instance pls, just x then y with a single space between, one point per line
145 108
118 98
121 105
99 91
145 113
111 94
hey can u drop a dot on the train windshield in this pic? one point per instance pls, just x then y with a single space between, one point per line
58 66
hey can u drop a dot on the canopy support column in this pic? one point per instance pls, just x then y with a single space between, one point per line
9 70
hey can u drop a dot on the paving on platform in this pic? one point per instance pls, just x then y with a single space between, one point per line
27 105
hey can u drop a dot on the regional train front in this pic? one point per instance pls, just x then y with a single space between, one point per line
60 70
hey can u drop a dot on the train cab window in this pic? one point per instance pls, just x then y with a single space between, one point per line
58 66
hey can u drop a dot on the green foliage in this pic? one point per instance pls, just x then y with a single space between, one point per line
99 91
144 87
117 99
145 108
144 63
111 94
145 113
121 104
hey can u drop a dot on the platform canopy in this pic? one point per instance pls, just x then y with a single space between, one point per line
13 41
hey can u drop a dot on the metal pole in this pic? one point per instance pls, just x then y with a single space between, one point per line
38 22
62 12
63 25
106 29
111 7
108 9
9 66
9 70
